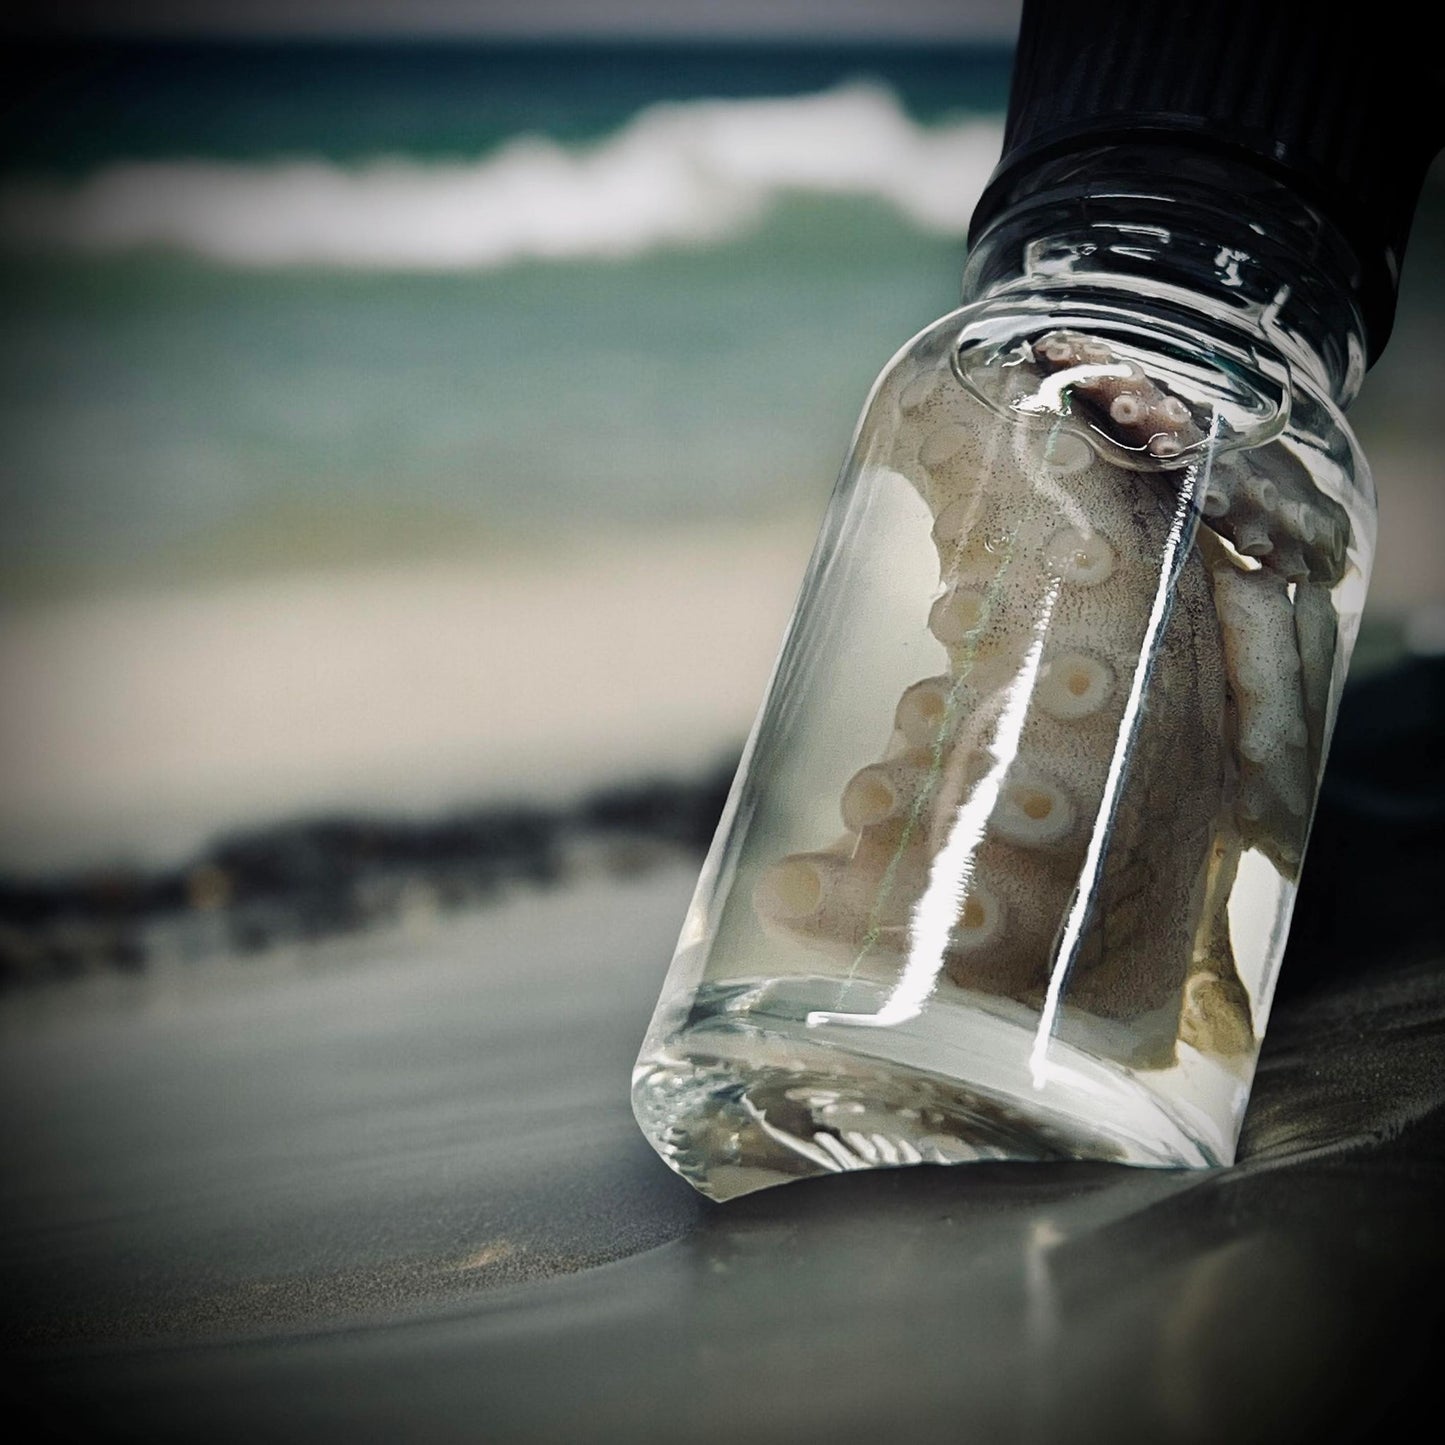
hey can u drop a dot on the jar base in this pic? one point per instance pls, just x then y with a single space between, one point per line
756 1090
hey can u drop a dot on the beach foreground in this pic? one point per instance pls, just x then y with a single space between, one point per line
390 1187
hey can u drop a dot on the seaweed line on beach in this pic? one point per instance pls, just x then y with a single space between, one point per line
1368 898
310 879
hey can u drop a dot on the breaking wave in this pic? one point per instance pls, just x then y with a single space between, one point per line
688 174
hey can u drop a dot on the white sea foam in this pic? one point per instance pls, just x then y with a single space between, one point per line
679 174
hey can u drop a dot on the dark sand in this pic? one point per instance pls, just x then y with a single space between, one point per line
387 1187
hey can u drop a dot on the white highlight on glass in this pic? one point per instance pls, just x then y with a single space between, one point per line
1175 549
950 875
1049 396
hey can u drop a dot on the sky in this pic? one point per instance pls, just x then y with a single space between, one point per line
738 19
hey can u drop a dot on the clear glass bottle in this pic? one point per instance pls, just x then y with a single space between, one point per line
1008 865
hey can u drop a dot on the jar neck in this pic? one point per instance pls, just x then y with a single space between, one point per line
1229 249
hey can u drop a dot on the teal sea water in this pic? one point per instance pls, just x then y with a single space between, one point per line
278 307
494 377
76 107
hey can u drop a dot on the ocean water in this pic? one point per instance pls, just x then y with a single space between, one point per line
274 308
404 427
277 307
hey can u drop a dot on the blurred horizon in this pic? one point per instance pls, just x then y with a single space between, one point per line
355 390
210 322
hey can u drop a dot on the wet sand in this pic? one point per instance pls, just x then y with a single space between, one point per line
390 1188
386 1185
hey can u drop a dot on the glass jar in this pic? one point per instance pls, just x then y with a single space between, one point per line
1008 866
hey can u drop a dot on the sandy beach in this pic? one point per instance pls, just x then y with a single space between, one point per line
390 1188
134 728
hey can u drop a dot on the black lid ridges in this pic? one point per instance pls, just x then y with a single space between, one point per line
1340 103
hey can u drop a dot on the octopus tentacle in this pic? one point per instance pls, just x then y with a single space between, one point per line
1316 630
1272 736
1217 1017
1036 538
1044 550
1267 505
1264 502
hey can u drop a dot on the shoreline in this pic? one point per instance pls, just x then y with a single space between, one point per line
135 729
253 891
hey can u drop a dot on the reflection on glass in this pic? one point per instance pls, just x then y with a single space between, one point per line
1008 866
